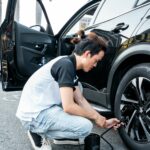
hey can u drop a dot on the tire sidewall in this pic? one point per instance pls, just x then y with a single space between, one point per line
142 70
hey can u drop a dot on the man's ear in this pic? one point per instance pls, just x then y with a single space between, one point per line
87 54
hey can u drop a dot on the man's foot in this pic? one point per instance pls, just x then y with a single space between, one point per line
38 143
69 141
35 139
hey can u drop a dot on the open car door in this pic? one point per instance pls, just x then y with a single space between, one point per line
24 49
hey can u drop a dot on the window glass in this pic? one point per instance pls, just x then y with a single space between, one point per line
144 27
127 19
84 22
141 2
29 15
3 4
60 11
114 8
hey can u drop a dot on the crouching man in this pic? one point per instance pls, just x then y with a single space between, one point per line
52 105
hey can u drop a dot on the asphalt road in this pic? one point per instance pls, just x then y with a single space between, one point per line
14 137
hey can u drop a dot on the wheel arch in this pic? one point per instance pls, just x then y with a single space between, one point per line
134 55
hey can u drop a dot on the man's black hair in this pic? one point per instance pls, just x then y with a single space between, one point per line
94 45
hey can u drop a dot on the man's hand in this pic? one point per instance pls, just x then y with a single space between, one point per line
113 122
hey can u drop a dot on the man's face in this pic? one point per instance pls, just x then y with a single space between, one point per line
91 61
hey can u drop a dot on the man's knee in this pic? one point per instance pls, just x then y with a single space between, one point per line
85 127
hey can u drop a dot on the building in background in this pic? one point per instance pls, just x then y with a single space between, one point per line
84 22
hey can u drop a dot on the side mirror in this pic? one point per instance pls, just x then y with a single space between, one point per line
120 26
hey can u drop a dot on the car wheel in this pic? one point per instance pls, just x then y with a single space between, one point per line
132 104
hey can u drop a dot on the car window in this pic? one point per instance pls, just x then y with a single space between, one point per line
84 22
144 26
3 4
141 2
127 20
35 17
59 12
110 9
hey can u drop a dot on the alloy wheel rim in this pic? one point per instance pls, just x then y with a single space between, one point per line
135 109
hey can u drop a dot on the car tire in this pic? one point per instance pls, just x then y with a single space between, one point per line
132 105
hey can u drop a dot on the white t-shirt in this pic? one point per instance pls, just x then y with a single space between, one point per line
42 91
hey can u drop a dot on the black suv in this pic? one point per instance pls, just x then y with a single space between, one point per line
119 85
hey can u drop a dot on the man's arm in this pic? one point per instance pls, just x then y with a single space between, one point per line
74 103
100 120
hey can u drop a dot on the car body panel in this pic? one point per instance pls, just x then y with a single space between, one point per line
133 53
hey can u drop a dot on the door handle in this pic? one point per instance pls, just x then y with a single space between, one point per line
41 47
44 49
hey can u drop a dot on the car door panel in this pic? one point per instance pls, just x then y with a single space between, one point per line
127 19
31 46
